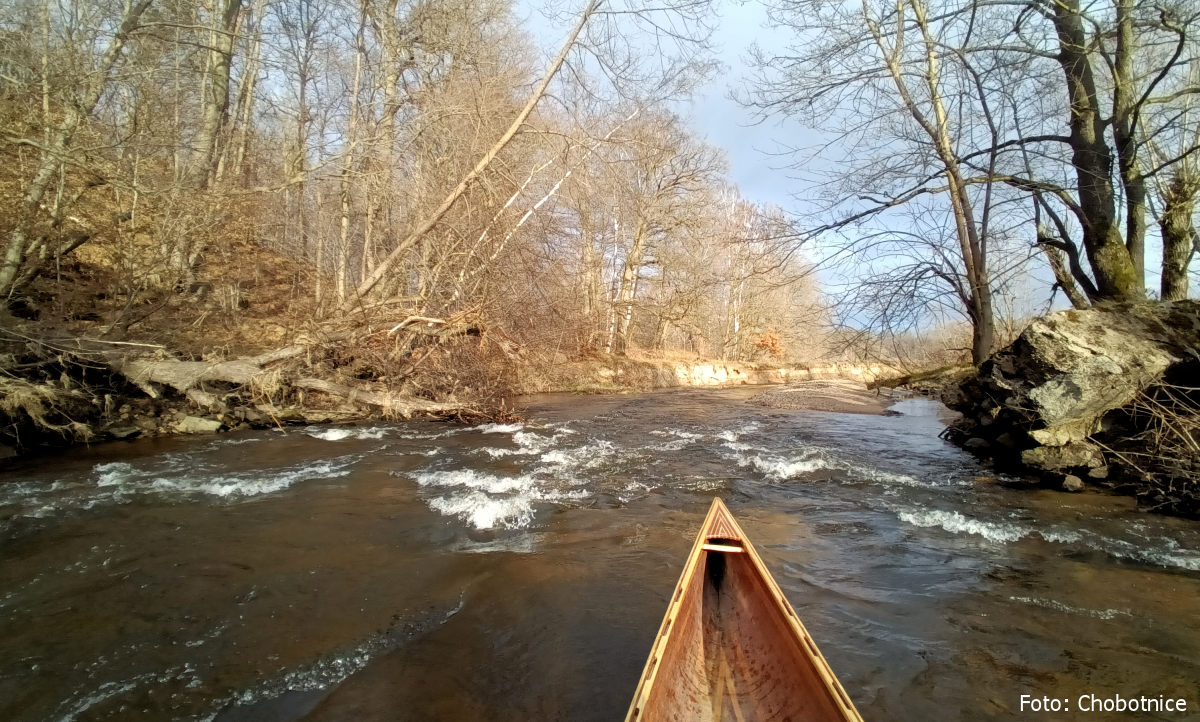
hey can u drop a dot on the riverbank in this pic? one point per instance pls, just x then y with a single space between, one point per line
83 390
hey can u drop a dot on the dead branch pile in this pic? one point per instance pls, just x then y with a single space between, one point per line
78 389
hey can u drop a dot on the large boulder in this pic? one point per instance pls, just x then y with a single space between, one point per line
1067 370
1074 383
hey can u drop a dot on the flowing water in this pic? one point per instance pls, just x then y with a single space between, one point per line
519 572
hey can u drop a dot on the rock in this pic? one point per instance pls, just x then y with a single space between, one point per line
205 400
1072 483
289 414
1068 369
7 452
254 417
123 432
1053 458
1006 440
976 444
197 425
1066 433
1100 472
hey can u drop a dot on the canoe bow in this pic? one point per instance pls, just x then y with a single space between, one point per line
731 647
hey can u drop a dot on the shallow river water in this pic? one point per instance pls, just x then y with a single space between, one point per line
426 571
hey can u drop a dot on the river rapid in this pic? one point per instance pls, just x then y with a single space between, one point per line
427 571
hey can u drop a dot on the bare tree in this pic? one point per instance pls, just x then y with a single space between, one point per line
908 72
24 245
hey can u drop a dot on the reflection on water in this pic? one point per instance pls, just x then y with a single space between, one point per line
519 571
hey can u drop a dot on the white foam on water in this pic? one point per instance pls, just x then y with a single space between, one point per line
249 484
882 476
477 480
1068 609
498 428
498 453
531 443
488 500
1158 551
114 473
483 511
678 433
590 455
527 444
1059 536
174 477
342 433
1189 560
81 701
558 456
777 469
956 523
673 445
1165 552
741 446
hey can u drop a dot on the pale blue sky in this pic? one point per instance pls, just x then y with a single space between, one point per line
711 113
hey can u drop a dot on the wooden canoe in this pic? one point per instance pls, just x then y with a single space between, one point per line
731 647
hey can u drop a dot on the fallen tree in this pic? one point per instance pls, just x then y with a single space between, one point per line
78 389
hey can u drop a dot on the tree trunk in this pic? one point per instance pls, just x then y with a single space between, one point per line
215 103
1124 135
343 249
628 290
1178 233
245 103
977 297
1115 272
425 226
1062 275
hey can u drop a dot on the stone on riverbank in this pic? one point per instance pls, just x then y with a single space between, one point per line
197 425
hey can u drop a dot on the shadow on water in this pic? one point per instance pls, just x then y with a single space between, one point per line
424 571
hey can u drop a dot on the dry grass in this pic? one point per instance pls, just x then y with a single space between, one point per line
1170 415
38 403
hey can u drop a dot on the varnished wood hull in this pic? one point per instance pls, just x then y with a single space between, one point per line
731 647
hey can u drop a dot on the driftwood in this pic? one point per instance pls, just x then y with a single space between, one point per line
183 375
206 383
391 403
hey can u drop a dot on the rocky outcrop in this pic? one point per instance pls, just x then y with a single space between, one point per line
1081 391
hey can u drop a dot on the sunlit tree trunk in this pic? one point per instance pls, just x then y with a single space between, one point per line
1179 233
214 107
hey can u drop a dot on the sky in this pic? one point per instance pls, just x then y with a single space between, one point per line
721 121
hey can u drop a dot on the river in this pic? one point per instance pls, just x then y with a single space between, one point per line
427 571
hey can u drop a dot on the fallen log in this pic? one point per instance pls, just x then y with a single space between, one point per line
390 403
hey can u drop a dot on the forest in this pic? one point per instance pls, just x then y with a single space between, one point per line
409 205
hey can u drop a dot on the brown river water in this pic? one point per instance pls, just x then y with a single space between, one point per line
425 571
